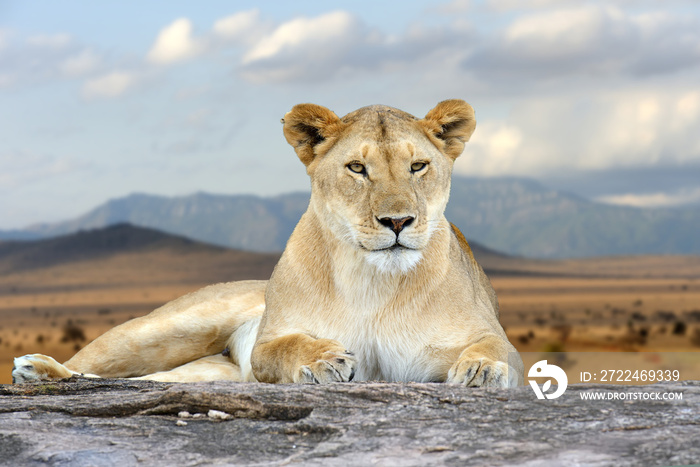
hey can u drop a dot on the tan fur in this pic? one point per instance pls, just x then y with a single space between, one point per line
374 283
211 368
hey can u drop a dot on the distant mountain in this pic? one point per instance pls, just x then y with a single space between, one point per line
17 234
237 221
516 216
523 217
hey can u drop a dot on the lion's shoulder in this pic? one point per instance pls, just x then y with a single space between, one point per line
475 266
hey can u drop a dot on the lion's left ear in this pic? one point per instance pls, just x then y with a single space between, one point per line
450 124
311 130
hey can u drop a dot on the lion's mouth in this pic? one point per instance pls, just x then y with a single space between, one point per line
396 258
395 247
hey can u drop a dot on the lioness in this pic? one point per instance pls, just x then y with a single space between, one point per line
374 283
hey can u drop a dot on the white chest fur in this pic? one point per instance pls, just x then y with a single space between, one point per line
399 356
389 342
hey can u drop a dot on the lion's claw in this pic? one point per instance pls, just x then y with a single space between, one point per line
482 372
331 368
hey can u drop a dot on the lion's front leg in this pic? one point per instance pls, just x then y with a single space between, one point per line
486 364
298 358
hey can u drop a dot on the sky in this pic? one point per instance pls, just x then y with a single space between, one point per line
102 99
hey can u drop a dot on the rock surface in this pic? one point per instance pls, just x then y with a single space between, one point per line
89 422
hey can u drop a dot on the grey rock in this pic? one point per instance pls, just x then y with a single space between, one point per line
90 422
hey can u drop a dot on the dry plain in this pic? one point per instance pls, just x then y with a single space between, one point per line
638 304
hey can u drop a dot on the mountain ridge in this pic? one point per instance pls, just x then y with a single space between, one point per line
91 244
513 215
121 255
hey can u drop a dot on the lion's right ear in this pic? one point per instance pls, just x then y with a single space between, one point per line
311 130
450 124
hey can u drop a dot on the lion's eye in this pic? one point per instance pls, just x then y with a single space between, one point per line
357 168
418 166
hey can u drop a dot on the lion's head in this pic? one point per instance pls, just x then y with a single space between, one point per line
381 177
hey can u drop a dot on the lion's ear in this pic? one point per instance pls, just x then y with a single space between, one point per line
311 130
450 124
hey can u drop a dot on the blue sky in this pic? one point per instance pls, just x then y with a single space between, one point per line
102 99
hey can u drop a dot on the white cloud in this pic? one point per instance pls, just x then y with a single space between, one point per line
175 43
572 29
687 109
244 26
509 5
569 38
658 199
639 127
110 85
505 6
590 41
494 149
80 64
645 127
42 59
299 32
313 49
339 44
455 7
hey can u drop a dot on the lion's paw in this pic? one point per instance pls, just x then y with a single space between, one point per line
330 368
38 367
482 372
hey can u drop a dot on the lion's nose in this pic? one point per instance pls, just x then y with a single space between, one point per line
396 224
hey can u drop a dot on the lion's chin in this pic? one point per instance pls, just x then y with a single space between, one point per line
396 260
